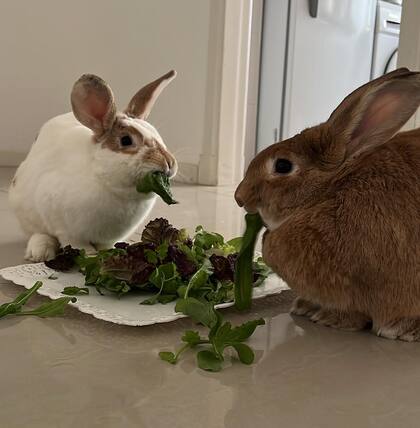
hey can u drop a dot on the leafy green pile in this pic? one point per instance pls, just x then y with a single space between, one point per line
199 271
221 335
156 182
49 309
166 262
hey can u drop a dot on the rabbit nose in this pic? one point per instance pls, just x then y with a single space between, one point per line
171 167
238 197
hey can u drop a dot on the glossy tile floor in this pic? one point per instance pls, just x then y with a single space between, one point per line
78 371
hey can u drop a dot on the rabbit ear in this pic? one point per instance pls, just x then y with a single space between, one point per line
93 103
142 103
372 114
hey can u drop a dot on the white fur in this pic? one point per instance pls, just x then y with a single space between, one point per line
77 191
270 223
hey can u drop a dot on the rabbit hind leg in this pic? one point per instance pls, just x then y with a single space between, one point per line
406 329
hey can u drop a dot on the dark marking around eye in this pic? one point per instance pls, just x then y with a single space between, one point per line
126 141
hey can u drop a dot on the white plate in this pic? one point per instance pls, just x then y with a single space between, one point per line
126 310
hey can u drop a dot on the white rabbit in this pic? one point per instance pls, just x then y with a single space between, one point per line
77 185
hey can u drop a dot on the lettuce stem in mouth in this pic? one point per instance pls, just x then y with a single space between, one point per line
156 182
244 270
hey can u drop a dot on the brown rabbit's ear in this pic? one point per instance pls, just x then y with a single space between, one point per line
372 114
142 103
93 103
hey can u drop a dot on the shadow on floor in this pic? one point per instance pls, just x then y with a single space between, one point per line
11 253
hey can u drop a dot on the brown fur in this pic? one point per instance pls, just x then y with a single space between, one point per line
348 238
142 102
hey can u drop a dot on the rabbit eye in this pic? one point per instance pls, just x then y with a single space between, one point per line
126 141
283 166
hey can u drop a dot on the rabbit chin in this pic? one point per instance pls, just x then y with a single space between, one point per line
271 223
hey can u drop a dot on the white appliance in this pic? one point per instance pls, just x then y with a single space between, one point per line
387 34
313 54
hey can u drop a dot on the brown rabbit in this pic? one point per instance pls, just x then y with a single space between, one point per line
341 202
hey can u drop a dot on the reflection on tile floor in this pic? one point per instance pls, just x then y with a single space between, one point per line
80 371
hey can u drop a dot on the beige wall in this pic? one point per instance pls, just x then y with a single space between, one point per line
45 45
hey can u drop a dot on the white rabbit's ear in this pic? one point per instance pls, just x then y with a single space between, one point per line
93 103
142 103
375 112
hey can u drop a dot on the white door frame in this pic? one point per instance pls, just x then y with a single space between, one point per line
409 46
223 156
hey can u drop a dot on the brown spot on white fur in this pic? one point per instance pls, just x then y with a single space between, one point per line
142 102
112 139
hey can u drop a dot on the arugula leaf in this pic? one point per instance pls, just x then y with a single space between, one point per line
207 240
193 338
109 283
171 357
221 336
156 182
227 336
50 309
168 356
150 301
74 291
201 312
245 331
166 298
16 305
200 278
235 243
243 271
208 360
166 279
162 251
151 256
245 353
181 291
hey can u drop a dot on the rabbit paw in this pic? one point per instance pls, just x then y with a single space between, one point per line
407 329
350 321
41 247
303 307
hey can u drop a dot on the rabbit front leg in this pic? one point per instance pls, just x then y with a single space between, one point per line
303 307
41 247
342 320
